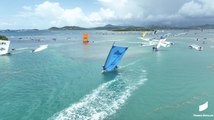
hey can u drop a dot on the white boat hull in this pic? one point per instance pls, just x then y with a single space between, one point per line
41 48
4 47
196 47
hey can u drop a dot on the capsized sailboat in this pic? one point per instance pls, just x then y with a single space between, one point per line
4 47
115 55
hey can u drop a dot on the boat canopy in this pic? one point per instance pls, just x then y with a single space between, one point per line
4 47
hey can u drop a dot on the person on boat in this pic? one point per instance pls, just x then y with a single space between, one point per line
154 49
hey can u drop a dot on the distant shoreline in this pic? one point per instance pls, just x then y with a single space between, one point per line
123 28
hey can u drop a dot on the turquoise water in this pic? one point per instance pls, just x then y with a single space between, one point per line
65 80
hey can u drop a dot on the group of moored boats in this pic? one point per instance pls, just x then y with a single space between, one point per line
157 43
116 52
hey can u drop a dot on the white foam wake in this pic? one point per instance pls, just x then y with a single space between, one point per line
20 50
103 101
24 48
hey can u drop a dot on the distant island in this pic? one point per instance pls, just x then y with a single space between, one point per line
123 28
107 27
134 28
67 28
110 27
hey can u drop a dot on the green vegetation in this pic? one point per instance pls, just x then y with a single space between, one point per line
134 28
107 27
122 28
67 28
2 37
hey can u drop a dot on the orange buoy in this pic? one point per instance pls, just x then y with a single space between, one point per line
85 38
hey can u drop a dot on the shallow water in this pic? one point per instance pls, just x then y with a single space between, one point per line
65 82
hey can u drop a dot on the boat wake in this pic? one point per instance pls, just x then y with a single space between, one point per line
14 53
24 48
20 50
105 100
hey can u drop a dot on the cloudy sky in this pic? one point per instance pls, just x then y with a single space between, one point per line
41 14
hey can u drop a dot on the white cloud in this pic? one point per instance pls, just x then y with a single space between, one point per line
138 12
48 9
124 9
51 13
129 12
102 15
198 8
27 8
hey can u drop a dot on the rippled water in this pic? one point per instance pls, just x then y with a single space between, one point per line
65 82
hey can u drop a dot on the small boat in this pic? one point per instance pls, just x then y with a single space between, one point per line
163 43
115 55
148 41
144 34
40 48
4 47
196 47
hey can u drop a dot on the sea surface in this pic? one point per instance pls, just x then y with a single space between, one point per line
64 81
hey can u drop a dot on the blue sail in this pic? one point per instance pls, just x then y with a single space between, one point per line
115 55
